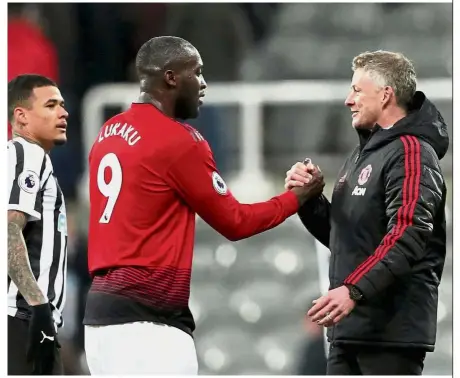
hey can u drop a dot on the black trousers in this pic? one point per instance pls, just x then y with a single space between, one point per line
366 360
17 349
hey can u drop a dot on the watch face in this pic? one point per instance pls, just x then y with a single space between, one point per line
356 295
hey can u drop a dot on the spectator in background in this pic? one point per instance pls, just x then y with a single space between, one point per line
25 34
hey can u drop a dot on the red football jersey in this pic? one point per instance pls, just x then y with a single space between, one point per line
149 176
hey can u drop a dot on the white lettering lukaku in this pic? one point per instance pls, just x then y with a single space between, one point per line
127 132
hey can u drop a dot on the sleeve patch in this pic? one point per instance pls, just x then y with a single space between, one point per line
29 182
219 184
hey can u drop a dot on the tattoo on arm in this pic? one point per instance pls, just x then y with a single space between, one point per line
19 268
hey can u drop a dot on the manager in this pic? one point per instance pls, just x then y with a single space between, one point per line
385 225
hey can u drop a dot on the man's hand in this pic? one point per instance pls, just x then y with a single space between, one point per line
301 174
332 307
305 180
42 339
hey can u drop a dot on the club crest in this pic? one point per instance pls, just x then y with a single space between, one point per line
364 175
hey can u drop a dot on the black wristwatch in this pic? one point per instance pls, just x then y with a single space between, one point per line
355 293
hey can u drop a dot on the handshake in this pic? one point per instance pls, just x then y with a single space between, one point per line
305 180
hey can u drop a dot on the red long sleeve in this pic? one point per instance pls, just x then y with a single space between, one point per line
194 175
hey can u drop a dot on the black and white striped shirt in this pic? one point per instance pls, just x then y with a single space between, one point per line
34 190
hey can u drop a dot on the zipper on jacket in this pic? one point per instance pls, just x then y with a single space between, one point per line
362 145
358 155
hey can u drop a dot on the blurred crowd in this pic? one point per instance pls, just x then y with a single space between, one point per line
86 44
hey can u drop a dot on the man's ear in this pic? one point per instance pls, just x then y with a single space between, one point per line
20 116
170 78
388 92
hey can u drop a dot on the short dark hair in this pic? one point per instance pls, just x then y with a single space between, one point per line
21 88
159 53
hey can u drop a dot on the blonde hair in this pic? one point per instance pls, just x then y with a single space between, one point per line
390 69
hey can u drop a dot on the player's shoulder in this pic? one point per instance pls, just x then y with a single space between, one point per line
178 139
30 161
193 133
169 135
25 150
189 140
156 124
186 136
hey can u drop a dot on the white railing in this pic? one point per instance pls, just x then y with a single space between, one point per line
250 182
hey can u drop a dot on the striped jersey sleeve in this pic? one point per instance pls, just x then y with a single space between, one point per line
26 177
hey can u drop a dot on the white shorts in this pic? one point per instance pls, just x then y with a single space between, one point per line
139 348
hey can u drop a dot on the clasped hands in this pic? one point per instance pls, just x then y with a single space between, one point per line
336 304
301 174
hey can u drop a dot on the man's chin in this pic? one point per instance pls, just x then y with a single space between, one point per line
190 115
60 140
361 126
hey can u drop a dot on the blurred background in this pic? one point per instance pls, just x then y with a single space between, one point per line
277 75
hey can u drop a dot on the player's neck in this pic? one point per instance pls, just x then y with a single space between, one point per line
163 106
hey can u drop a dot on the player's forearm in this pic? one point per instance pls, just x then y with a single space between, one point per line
19 268
243 221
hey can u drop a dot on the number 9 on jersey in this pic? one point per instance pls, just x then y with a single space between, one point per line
110 189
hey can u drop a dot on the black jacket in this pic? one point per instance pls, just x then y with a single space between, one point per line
385 227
